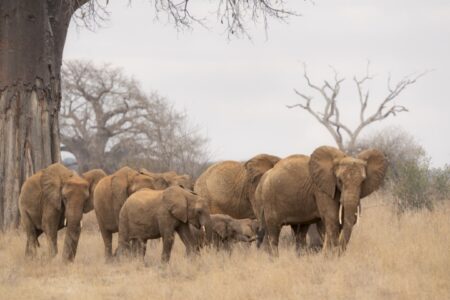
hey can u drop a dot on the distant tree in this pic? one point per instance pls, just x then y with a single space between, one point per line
107 121
32 38
440 180
329 116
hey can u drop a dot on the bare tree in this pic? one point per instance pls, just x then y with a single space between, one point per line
107 121
101 108
329 116
32 38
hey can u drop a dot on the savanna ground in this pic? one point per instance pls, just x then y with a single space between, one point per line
389 257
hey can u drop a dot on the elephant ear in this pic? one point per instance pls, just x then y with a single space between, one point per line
321 168
144 171
254 225
161 183
176 203
172 178
258 165
92 177
52 181
119 187
185 181
221 228
375 170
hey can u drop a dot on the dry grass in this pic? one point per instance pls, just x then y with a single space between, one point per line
388 258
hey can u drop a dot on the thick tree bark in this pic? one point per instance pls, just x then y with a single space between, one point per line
32 36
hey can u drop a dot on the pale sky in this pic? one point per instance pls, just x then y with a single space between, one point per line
237 90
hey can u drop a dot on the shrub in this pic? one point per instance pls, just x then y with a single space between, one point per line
410 179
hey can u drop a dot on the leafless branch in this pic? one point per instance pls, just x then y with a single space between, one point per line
329 116
233 14
106 121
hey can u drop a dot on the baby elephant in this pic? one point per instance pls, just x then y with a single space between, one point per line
227 231
150 214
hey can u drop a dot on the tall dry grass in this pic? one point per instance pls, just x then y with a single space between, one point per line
389 257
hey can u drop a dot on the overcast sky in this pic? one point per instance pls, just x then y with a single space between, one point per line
237 90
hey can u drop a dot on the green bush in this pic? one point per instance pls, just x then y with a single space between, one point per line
440 183
410 179
411 187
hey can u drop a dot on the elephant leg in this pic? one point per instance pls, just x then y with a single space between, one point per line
186 237
331 237
142 248
261 234
32 237
316 235
329 212
52 236
168 239
138 248
217 242
321 230
50 226
107 240
300 231
135 248
273 232
227 246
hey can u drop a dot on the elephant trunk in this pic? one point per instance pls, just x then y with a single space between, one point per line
206 227
348 214
71 239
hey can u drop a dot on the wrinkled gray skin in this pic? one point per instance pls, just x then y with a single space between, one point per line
113 190
327 186
230 186
227 231
149 214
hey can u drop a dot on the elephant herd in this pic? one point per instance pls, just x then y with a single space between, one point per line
230 202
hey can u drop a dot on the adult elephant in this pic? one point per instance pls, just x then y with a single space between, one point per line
150 214
327 186
53 198
230 186
111 193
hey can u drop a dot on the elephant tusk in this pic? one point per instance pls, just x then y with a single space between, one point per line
81 224
203 228
340 214
65 222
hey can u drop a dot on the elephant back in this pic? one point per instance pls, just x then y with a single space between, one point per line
52 181
287 180
222 185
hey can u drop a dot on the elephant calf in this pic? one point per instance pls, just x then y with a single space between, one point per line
52 198
112 192
226 231
151 214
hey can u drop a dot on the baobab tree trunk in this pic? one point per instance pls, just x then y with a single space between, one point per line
32 36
